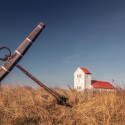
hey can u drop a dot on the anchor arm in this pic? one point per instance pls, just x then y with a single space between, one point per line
60 99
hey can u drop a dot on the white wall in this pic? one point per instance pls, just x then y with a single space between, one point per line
82 81
79 79
88 81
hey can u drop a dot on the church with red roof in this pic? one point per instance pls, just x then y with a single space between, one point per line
83 81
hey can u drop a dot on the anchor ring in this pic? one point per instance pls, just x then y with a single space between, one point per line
5 58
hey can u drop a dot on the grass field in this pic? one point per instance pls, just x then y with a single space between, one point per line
28 106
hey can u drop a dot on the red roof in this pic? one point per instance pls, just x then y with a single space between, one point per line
101 84
85 70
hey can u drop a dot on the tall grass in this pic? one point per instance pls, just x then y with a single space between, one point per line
28 106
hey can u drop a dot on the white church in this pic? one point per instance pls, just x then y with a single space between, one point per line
83 81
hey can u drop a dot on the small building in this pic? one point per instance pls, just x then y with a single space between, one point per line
83 81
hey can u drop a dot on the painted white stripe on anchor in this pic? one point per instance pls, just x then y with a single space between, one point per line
40 26
29 39
5 69
18 52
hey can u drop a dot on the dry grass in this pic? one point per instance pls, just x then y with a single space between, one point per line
28 106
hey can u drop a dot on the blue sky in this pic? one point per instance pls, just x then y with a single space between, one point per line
85 33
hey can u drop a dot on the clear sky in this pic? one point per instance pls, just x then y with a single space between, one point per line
78 33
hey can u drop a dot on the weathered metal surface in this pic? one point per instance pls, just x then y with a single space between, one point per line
20 51
55 94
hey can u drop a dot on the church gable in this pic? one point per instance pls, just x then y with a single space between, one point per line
86 71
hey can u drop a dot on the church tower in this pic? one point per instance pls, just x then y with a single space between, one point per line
82 79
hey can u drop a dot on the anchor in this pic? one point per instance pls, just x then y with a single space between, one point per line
11 60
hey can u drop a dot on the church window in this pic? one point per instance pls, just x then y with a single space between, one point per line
79 76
